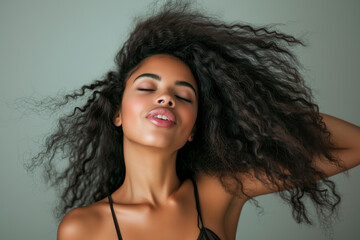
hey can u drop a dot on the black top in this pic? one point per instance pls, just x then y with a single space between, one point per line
205 233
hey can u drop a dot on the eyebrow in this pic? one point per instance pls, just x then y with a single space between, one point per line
158 78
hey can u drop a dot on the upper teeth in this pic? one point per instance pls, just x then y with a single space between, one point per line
162 117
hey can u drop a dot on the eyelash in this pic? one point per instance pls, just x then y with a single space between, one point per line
146 89
151 90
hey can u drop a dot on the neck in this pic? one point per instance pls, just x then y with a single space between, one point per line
150 174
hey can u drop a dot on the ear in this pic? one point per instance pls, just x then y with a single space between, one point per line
117 119
191 137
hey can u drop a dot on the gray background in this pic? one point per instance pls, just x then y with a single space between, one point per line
50 46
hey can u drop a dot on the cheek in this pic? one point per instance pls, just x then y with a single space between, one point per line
189 118
132 108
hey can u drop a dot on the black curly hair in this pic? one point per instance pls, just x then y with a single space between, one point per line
255 114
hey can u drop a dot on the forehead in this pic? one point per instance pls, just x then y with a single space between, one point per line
166 66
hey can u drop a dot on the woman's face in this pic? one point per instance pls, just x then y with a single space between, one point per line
160 103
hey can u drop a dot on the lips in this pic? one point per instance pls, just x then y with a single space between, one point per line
170 121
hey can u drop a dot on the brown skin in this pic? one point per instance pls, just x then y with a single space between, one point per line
152 203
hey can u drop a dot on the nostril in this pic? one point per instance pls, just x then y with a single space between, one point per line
169 102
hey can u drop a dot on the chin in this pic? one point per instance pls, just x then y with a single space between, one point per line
162 143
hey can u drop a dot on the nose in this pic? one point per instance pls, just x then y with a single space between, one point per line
165 100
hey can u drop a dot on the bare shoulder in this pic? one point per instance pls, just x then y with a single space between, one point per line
80 223
213 189
220 208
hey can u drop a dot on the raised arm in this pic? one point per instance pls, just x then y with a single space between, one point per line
346 144
346 139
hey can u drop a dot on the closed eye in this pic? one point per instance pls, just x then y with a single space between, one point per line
146 89
151 90
184 99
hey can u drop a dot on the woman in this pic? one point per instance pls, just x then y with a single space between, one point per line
198 118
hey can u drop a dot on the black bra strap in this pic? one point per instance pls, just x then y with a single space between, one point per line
114 217
197 204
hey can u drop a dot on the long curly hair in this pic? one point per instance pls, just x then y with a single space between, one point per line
255 114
